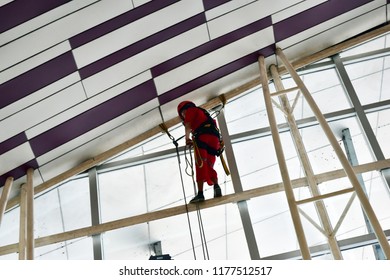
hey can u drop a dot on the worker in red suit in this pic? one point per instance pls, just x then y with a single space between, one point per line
206 141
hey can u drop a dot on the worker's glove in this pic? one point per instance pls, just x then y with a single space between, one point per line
189 142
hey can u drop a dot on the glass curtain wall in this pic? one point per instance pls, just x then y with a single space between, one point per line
62 209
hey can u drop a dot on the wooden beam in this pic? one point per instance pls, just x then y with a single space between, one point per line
284 91
30 215
369 211
210 104
178 210
4 196
305 162
323 196
294 211
23 222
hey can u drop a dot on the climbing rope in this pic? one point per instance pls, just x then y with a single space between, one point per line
175 142
190 164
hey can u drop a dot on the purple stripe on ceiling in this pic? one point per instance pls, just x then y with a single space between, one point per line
209 4
17 12
93 118
142 45
18 172
37 78
314 16
211 46
12 142
215 75
119 21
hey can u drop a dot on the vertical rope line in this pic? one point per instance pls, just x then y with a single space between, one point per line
184 193
199 215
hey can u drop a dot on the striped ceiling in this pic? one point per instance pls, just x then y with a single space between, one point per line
80 77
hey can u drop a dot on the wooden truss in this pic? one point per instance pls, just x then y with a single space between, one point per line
321 209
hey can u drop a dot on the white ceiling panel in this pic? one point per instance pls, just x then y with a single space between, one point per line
16 157
77 151
145 60
140 2
334 30
290 11
136 31
58 31
40 111
39 95
226 8
84 106
245 15
214 60
44 19
34 61
121 129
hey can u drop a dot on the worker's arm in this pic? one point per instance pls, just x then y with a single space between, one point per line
188 132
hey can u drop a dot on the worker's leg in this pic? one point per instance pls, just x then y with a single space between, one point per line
205 169
200 175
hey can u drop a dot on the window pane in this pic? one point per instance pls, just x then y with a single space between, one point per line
272 224
74 193
129 243
380 122
372 45
368 80
124 189
9 232
62 209
77 249
326 90
247 112
181 236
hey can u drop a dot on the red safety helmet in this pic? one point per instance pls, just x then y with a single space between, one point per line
183 106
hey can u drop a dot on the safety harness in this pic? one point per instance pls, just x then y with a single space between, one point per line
208 127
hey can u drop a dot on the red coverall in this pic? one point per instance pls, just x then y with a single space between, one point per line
204 166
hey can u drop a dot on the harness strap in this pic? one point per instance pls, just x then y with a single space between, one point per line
208 127
205 146
210 150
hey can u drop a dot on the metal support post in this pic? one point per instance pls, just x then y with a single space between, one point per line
361 115
95 212
242 205
351 154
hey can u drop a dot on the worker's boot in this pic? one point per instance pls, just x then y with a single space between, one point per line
217 191
198 198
